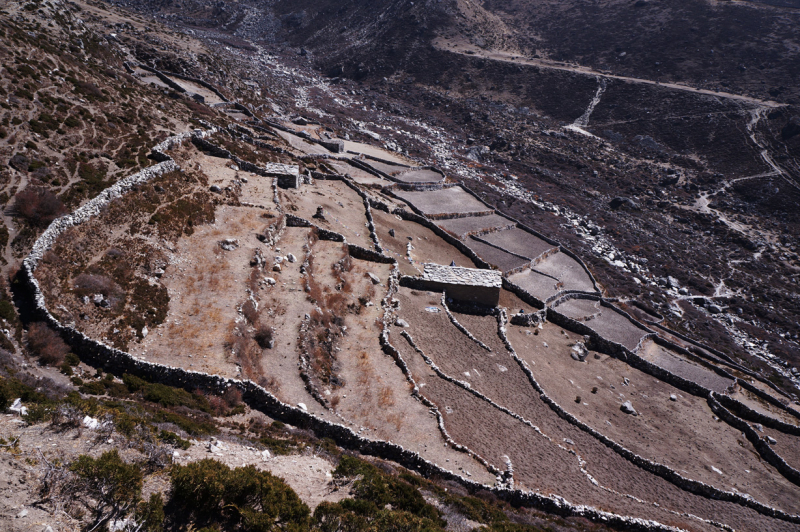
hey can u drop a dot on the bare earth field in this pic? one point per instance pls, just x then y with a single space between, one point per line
302 317
437 203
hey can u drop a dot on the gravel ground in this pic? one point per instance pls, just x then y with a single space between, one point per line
462 227
447 200
567 270
518 241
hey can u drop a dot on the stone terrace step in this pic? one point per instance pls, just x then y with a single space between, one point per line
519 242
448 202
464 227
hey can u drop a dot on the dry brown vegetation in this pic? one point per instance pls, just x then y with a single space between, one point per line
46 344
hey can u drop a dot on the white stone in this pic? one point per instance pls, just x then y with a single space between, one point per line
302 406
90 423
17 408
291 258
627 407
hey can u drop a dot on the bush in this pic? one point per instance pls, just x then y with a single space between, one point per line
209 493
7 311
88 284
46 344
38 206
379 489
114 486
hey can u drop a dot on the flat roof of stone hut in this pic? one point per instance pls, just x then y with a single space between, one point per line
462 276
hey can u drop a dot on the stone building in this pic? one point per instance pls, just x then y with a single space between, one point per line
464 284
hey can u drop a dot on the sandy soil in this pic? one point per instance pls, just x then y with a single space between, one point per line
682 434
196 328
463 227
344 209
519 242
374 151
538 285
463 409
358 175
390 169
211 97
687 369
421 175
496 257
301 145
567 270
548 465
427 247
446 200
606 322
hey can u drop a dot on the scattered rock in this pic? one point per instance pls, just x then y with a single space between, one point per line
302 406
391 233
619 203
91 423
627 407
401 323
714 309
579 352
771 440
673 397
270 281
374 278
320 214
17 408
291 258
23 513
759 427
229 244
276 268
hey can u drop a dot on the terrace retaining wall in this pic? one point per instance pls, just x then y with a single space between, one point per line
119 362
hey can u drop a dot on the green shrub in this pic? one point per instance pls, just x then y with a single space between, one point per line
116 487
209 493
7 311
133 382
380 489
173 439
93 388
72 359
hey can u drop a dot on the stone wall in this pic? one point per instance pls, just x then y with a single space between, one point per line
661 470
118 362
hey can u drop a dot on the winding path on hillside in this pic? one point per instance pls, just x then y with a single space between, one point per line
508 57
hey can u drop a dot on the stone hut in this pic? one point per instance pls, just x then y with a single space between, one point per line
288 175
464 284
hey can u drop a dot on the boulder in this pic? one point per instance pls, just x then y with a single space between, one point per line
401 323
291 258
673 397
229 244
627 407
215 189
620 203
374 278
771 440
391 233
579 352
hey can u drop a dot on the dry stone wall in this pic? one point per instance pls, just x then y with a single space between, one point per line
119 362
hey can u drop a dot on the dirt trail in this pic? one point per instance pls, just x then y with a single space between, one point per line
508 57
